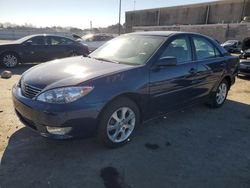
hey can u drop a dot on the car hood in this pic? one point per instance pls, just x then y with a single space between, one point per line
69 71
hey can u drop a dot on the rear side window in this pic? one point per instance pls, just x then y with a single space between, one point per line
204 49
66 41
59 41
180 49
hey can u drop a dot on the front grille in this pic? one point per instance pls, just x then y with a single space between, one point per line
30 91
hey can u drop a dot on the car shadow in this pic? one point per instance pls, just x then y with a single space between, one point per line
196 147
20 69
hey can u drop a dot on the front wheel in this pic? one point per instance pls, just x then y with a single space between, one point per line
10 60
118 122
218 98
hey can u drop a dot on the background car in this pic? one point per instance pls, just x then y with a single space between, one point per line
94 41
245 51
232 46
244 68
131 79
39 48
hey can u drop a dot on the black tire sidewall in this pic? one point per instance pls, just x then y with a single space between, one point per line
108 111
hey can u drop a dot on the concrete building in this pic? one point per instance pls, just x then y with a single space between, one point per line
222 16
227 11
220 32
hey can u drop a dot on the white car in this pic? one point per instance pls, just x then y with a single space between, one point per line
94 41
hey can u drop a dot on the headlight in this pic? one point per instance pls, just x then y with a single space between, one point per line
64 95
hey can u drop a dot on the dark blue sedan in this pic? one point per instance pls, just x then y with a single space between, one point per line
39 48
130 79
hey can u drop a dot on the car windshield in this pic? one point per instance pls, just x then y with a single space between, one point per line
21 40
129 49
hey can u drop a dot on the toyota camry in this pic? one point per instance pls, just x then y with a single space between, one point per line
127 81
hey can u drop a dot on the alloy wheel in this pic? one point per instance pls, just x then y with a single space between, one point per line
221 93
10 60
121 124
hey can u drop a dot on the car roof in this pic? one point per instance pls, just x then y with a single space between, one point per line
172 33
161 33
48 35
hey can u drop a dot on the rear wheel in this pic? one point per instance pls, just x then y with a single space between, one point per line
218 98
10 60
118 122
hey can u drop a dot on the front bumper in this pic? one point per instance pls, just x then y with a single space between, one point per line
80 116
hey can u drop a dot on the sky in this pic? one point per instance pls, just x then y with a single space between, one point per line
76 13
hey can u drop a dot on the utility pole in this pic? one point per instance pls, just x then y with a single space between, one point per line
134 4
120 5
90 26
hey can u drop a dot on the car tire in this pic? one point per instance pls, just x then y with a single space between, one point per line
118 122
10 60
218 97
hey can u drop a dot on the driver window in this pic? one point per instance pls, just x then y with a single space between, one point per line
37 41
180 49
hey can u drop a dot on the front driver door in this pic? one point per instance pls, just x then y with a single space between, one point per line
172 86
34 49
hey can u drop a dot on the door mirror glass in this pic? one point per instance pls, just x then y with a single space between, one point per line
167 61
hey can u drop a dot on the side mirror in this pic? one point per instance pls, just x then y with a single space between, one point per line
28 43
167 61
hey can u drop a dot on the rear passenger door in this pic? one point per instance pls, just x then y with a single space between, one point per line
58 47
172 87
210 65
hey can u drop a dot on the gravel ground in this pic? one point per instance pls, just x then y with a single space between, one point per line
197 147
5 41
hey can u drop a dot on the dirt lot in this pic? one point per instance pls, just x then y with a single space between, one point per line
5 41
197 147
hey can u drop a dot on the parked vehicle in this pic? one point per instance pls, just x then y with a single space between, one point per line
245 51
130 79
94 41
244 68
39 48
232 46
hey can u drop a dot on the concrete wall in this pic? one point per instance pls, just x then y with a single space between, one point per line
227 11
13 34
221 32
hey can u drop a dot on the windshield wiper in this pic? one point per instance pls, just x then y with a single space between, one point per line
107 60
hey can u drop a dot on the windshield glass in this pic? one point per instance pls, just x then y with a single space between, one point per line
129 49
21 40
